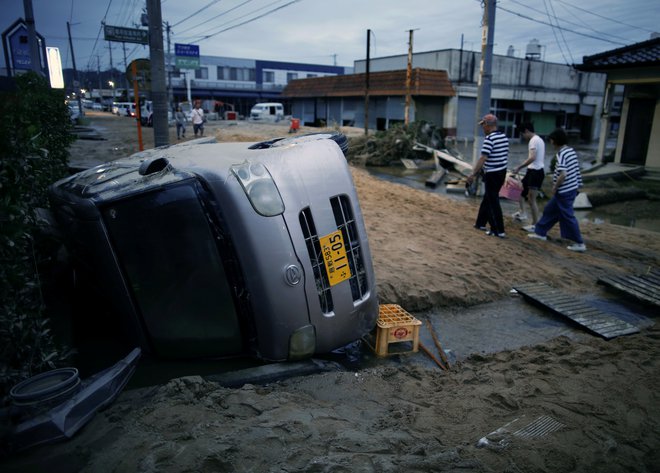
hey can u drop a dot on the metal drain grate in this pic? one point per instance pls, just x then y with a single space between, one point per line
501 438
541 427
595 320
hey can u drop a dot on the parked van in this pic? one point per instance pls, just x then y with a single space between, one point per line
123 109
267 111
223 249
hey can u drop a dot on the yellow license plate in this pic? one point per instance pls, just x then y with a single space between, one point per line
334 258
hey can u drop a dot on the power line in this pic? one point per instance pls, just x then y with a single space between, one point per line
212 2
560 27
580 25
606 18
210 35
100 29
561 32
216 16
554 32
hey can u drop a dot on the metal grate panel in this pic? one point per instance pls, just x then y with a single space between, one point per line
595 320
645 287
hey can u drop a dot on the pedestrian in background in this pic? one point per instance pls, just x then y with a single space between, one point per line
197 118
492 167
566 182
534 176
181 120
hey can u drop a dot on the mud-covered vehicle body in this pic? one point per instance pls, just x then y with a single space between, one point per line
216 249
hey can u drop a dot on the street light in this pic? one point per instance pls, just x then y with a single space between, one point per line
112 85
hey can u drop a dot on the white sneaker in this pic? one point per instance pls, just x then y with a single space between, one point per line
520 217
529 228
579 247
536 236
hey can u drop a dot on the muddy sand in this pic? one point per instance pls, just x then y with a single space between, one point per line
599 400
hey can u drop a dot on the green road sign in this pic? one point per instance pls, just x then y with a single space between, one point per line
187 62
125 35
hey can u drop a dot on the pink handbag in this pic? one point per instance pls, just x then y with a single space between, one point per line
512 188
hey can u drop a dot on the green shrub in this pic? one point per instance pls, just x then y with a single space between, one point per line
34 141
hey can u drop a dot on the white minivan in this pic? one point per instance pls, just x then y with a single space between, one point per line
272 111
123 109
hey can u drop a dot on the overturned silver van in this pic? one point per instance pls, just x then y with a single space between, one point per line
218 249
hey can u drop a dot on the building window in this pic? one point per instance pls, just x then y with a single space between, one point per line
202 73
269 76
312 75
291 76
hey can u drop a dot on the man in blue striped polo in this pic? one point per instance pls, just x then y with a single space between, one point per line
492 166
566 182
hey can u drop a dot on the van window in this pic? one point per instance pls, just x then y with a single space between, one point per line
166 244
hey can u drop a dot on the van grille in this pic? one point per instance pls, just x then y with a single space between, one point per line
316 259
345 222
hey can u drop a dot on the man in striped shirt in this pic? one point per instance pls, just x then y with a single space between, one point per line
492 166
566 182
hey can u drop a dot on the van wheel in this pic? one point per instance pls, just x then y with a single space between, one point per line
337 137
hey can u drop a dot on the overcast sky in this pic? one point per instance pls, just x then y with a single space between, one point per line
334 32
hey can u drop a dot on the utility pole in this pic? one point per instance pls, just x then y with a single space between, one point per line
485 72
98 71
406 110
170 96
366 88
32 38
128 98
158 86
76 82
112 74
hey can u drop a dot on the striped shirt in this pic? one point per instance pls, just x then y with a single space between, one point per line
567 162
496 150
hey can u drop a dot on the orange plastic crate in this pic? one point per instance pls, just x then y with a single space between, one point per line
395 326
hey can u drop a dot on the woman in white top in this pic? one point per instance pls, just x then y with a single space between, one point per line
197 119
533 179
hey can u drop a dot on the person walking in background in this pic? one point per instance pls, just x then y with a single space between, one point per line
197 119
180 119
566 182
534 176
492 166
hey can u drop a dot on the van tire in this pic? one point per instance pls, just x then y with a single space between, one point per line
336 136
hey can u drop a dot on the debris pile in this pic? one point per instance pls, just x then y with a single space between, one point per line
386 148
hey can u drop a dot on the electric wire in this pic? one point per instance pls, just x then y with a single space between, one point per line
208 34
606 18
581 25
579 33
554 32
216 16
211 3
561 32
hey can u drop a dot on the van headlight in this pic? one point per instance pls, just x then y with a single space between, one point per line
260 188
302 343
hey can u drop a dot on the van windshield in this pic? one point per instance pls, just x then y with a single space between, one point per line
166 246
